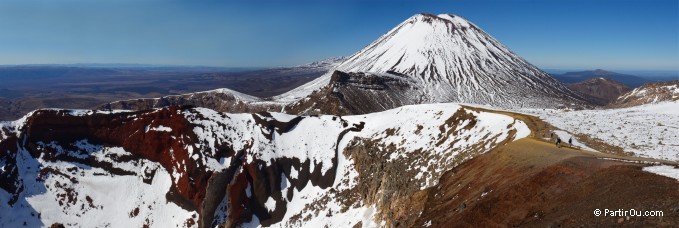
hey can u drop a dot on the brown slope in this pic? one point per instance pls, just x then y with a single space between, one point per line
533 183
601 90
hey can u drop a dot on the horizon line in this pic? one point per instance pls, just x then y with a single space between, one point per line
151 65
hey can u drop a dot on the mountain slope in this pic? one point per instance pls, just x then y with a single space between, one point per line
601 90
445 58
196 167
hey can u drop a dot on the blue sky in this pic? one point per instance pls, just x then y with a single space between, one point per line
557 34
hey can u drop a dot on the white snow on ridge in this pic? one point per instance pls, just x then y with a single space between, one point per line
641 92
420 125
314 138
238 95
159 128
86 112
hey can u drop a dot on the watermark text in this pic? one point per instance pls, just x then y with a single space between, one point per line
627 212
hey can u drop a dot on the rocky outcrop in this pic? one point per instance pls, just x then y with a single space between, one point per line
601 91
347 94
649 93
223 100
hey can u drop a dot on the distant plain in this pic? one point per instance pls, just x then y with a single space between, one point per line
26 88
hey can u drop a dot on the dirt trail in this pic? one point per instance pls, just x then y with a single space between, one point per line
532 183
539 128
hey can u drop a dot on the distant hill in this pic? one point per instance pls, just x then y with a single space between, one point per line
579 76
601 90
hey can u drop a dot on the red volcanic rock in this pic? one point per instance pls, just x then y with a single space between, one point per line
130 131
237 210
166 137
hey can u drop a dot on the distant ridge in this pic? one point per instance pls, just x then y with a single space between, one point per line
579 76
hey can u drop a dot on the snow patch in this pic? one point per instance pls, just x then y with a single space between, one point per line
664 170
270 204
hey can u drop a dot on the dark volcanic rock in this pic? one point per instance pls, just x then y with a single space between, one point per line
358 93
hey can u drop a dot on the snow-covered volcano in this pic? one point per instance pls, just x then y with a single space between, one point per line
446 58
425 59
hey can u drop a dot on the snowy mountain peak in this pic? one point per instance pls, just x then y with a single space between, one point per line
457 21
422 44
449 59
